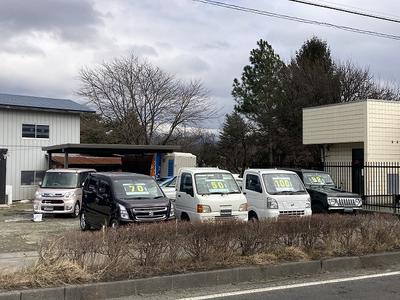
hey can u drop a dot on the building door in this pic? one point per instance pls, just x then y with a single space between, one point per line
3 164
357 169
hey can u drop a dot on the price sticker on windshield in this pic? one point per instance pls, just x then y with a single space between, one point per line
217 186
283 184
316 179
135 188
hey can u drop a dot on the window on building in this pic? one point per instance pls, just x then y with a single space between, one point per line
31 177
42 131
35 131
28 130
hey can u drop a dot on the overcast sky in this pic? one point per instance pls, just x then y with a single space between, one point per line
46 42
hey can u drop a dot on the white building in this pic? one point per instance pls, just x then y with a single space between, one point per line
26 125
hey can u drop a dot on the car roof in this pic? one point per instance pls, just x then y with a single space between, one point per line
305 170
203 170
71 170
117 175
270 171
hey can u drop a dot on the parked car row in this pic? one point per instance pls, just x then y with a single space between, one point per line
196 194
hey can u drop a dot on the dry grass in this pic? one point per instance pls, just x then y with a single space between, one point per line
156 249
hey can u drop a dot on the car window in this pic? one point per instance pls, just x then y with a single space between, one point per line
136 188
104 188
283 183
91 184
317 178
253 183
172 183
82 178
216 183
186 183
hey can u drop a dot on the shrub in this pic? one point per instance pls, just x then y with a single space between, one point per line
151 249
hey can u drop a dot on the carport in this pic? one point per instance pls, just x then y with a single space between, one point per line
145 159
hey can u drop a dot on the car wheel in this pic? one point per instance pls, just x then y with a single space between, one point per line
114 223
77 210
83 224
185 218
253 217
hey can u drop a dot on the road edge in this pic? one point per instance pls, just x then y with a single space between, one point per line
259 273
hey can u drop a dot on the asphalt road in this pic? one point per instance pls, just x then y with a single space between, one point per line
365 285
367 289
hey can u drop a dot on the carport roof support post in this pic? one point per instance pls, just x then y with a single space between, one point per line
66 160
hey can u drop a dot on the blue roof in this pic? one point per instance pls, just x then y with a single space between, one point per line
41 103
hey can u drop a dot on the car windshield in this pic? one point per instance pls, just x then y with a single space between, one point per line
317 178
63 180
283 183
137 188
171 182
216 183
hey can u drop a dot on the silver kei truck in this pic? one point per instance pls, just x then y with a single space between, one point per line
60 192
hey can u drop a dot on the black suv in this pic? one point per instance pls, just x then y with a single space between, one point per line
111 199
325 196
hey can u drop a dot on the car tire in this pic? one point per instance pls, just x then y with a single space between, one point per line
185 217
253 218
114 223
76 211
83 224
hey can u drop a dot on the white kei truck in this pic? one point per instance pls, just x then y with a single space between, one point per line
209 194
273 193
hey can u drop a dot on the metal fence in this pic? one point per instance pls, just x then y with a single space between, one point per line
376 182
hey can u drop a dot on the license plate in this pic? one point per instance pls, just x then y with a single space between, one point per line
226 212
48 208
348 209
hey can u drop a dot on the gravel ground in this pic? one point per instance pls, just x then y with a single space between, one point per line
20 233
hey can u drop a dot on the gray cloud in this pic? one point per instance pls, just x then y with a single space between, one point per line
189 39
73 20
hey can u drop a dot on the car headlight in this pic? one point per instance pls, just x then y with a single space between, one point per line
69 194
332 201
123 212
243 207
272 203
358 201
203 208
308 203
172 210
38 195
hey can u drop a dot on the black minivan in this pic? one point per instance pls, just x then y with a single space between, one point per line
111 199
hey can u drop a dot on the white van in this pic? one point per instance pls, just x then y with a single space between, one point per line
209 194
271 193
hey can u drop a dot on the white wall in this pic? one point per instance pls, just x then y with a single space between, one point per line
25 154
331 124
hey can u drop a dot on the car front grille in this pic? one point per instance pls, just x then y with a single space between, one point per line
55 195
52 201
291 212
150 213
346 202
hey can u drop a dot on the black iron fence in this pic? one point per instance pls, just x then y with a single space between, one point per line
376 182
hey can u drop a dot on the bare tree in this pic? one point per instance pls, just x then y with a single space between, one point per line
148 103
359 84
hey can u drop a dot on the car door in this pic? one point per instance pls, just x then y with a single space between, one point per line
104 202
89 199
185 201
254 194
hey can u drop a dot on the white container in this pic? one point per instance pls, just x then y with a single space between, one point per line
37 217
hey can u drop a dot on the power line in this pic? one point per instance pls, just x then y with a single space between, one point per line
359 13
297 19
360 9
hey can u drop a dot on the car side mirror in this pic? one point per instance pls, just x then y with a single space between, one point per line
40 184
